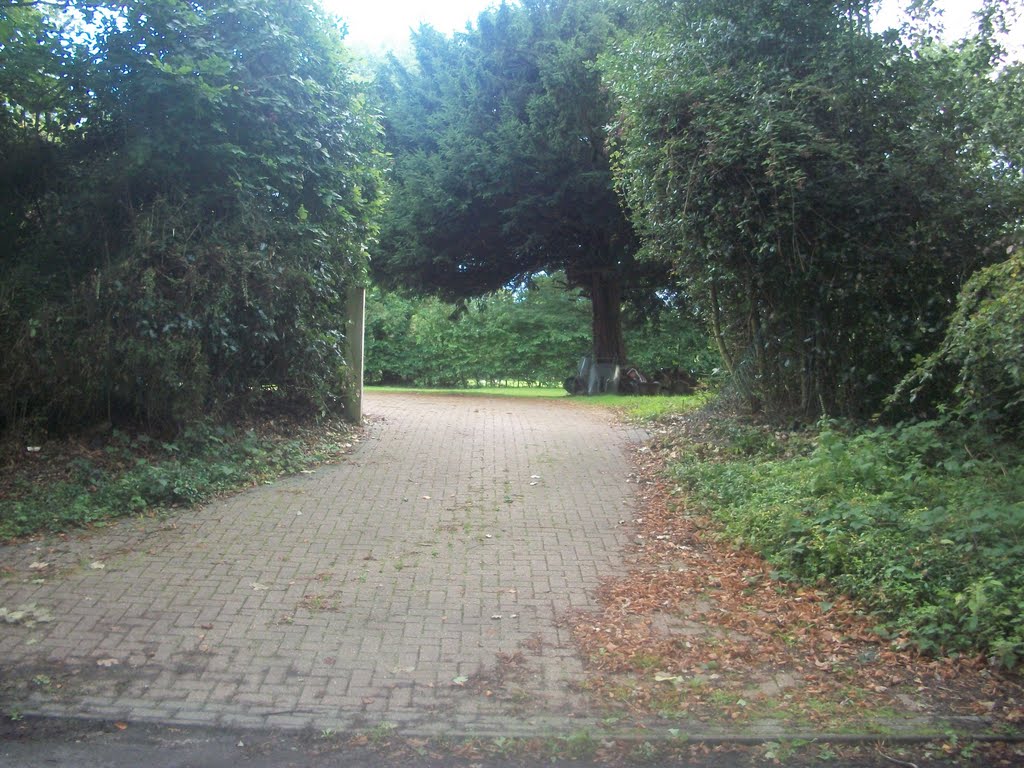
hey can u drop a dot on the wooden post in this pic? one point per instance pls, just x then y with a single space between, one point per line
355 329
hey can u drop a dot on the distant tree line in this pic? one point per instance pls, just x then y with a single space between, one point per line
534 335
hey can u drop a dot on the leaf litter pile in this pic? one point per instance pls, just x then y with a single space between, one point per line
700 633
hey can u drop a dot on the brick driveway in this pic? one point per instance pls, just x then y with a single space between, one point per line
420 583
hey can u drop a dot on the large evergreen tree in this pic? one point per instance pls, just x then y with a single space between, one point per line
501 169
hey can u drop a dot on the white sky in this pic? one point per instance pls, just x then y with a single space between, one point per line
378 25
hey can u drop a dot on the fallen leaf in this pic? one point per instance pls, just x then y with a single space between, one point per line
121 726
107 663
38 566
460 680
662 677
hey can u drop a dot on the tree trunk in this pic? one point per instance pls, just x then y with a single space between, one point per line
716 329
606 303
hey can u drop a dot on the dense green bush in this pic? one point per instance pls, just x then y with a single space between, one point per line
671 338
821 187
206 182
923 523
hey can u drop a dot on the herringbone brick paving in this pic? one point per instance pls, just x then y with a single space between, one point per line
421 582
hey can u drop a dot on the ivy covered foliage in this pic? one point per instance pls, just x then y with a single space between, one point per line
843 208
138 475
978 372
190 185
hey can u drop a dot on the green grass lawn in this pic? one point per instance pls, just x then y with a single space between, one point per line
547 392
644 408
647 407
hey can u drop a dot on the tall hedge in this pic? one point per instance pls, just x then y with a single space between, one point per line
208 179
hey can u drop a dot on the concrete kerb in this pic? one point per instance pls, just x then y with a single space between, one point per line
662 733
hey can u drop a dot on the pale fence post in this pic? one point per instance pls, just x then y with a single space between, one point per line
355 329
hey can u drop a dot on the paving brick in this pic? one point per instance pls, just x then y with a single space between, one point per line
214 615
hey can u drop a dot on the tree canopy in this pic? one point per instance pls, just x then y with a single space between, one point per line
187 187
500 163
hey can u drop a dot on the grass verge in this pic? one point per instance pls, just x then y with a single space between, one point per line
648 407
642 408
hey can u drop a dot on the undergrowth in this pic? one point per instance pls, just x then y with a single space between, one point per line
137 475
923 523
